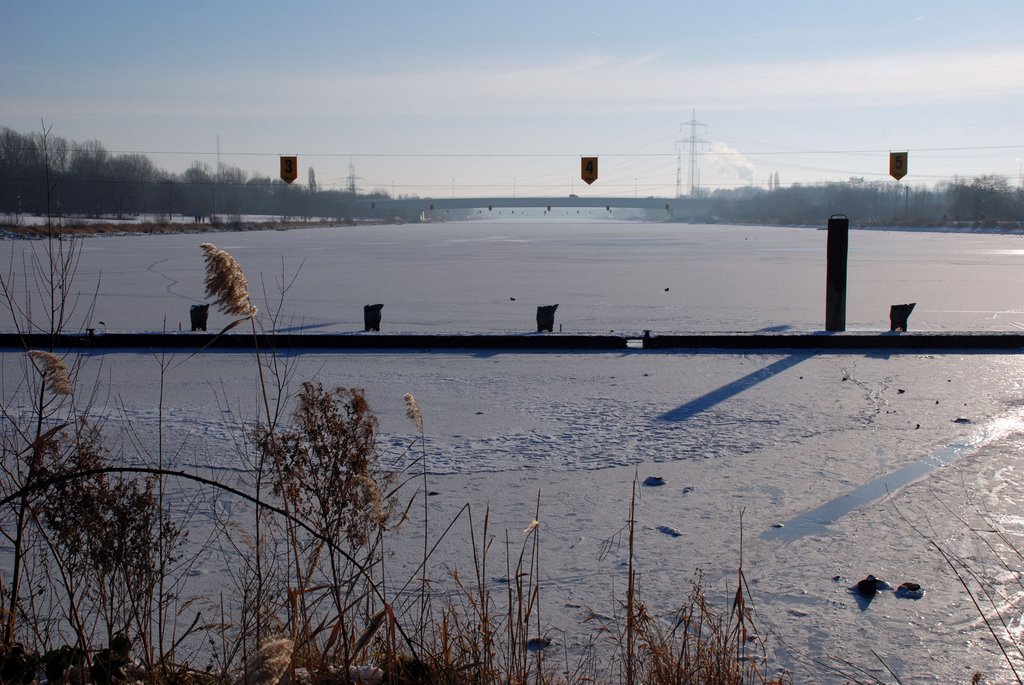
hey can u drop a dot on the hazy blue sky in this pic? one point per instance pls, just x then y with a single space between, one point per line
503 97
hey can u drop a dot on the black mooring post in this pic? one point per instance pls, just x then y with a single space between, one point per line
835 272
899 314
371 317
199 313
546 318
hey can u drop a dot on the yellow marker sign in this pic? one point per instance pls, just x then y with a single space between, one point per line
897 164
289 169
588 170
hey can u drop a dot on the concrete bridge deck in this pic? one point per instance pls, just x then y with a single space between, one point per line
674 206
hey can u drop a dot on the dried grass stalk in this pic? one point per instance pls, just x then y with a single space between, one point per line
54 372
226 282
412 410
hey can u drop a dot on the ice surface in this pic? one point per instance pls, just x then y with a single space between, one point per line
604 276
770 437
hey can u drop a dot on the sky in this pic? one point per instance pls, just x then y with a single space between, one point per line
472 98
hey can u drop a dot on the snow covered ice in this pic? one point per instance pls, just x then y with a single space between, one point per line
772 436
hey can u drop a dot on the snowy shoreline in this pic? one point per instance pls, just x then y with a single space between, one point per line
17 229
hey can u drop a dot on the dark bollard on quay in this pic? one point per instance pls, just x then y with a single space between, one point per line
898 316
546 318
371 317
199 313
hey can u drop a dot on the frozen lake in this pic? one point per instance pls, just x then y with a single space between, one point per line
784 438
603 275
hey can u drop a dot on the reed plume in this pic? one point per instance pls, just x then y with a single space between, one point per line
54 372
412 410
270 662
226 282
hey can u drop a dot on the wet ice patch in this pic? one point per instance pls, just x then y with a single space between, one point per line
818 519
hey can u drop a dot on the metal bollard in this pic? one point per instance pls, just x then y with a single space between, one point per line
546 318
199 313
371 317
898 316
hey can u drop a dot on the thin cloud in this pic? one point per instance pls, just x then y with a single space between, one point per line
601 83
589 84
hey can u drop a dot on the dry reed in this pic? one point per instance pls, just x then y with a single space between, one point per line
270 662
412 410
226 282
53 371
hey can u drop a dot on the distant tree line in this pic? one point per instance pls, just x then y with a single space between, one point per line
84 179
87 180
979 201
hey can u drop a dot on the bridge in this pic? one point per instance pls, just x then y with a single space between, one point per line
671 208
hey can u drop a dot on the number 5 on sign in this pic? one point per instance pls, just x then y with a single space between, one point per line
588 170
897 164
289 169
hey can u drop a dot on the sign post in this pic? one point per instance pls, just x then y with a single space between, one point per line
897 164
588 171
289 169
